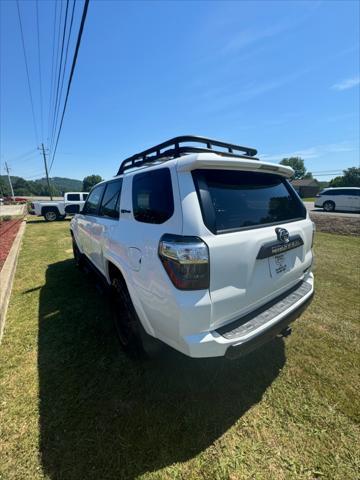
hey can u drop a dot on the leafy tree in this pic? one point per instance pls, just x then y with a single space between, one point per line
21 187
90 181
4 187
297 164
308 175
350 178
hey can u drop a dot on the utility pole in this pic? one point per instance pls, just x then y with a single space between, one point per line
11 187
46 171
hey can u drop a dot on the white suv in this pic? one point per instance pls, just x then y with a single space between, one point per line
206 249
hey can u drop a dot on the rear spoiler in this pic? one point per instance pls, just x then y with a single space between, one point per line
213 161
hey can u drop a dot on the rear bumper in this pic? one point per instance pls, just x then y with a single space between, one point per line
243 348
255 329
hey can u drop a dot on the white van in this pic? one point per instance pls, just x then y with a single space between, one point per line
342 198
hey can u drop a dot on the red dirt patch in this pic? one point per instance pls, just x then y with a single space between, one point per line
8 231
332 224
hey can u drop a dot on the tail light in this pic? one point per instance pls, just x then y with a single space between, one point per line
186 261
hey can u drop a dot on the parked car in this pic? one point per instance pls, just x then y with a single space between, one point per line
341 198
58 209
206 249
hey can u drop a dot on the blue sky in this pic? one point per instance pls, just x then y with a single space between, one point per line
282 77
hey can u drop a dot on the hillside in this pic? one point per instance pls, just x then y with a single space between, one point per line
59 185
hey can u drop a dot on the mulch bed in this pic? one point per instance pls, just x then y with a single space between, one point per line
8 231
332 224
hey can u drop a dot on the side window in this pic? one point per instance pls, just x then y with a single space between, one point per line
85 195
111 199
153 196
93 201
73 197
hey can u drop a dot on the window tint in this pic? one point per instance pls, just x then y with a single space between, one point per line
338 192
93 201
354 192
111 200
232 200
85 195
152 196
73 197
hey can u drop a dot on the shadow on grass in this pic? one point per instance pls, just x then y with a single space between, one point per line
104 416
41 220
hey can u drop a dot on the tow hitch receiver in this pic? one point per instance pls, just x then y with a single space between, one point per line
286 332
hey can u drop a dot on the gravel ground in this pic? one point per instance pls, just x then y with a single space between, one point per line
340 225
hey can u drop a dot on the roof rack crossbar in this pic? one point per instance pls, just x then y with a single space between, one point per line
176 150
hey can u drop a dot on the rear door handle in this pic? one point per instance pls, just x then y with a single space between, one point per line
125 211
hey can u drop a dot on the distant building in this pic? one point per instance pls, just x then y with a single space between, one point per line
306 187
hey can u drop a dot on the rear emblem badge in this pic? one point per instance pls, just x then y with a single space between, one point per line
282 235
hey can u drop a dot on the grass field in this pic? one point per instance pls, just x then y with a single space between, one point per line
74 407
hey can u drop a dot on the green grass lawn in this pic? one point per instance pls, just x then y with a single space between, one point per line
74 407
309 199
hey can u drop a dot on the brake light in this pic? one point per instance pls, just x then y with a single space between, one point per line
186 261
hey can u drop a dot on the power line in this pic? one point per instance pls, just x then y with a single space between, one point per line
39 61
54 64
59 74
64 67
27 73
78 42
23 155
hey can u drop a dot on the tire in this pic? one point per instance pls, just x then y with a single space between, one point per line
130 333
329 206
77 255
51 215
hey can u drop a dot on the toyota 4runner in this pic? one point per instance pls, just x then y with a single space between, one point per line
204 247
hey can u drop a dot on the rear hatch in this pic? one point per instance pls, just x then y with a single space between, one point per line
260 240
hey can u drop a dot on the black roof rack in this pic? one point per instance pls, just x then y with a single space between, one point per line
174 149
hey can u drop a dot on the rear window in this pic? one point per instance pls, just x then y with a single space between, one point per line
73 197
234 200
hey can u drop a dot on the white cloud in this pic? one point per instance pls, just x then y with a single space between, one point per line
347 83
250 36
311 152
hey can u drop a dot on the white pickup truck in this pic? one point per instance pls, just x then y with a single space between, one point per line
58 209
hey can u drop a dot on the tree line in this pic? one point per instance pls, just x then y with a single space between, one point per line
349 178
39 188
